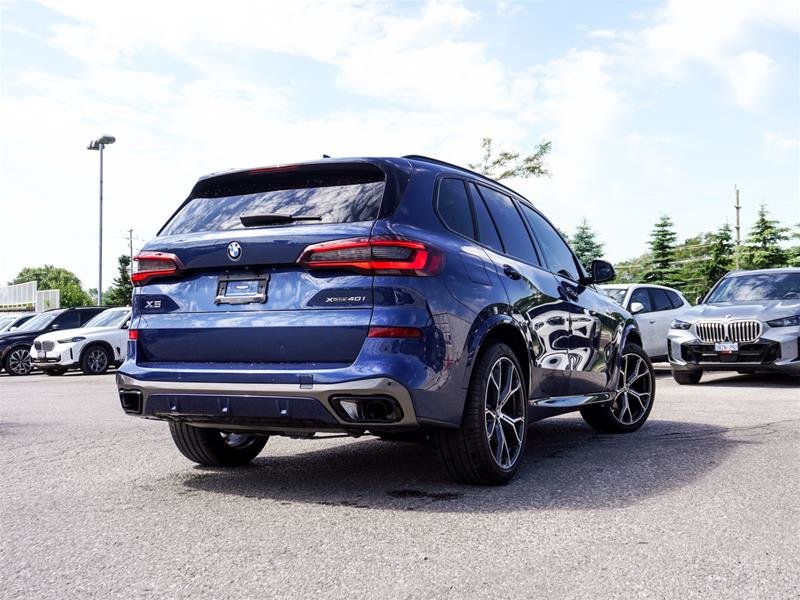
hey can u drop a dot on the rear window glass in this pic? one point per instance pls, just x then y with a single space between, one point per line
453 207
675 299
334 197
487 232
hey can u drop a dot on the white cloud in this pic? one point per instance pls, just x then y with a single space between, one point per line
777 141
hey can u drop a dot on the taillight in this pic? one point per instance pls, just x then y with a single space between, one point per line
133 334
378 256
148 265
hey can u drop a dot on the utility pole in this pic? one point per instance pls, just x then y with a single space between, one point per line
738 228
130 244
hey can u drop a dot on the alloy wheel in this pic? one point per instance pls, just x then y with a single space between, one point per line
19 361
98 360
505 412
635 390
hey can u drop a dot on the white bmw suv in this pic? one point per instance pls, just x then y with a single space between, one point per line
102 342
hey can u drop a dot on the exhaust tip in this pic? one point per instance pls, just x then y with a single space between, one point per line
367 409
131 401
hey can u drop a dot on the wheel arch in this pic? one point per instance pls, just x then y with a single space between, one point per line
501 328
104 344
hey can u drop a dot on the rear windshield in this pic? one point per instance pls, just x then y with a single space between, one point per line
762 286
338 196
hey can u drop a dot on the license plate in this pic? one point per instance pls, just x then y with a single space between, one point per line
237 289
726 347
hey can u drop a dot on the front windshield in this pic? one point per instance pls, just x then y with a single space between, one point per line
6 321
109 318
757 287
38 322
616 294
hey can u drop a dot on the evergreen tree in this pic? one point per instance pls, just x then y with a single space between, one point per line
49 277
720 256
763 245
509 164
119 294
586 245
662 269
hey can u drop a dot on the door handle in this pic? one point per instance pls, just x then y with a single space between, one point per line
511 272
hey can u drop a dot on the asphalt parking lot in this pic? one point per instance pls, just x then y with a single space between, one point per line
702 502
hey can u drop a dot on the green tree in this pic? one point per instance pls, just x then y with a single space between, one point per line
794 251
507 164
662 269
763 245
49 277
119 294
585 244
720 257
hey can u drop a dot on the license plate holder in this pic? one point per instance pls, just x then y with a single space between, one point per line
242 289
726 347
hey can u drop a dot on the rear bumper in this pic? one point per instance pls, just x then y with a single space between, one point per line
275 407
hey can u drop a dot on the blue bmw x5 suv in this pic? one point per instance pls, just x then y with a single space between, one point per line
400 297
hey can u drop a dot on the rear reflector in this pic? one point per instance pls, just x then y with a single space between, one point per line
377 256
394 332
133 334
149 265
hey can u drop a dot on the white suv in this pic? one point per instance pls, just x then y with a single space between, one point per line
653 307
102 342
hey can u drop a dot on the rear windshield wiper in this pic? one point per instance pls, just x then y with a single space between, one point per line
271 219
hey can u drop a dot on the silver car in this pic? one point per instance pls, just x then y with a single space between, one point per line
748 322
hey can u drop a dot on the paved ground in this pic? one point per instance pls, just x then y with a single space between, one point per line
701 503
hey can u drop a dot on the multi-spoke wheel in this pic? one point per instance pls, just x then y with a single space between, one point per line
215 448
95 360
487 449
633 397
18 361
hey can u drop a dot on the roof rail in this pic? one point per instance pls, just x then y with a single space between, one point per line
436 161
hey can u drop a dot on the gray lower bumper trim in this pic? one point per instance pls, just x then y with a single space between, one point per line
321 392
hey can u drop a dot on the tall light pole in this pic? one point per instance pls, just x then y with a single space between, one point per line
99 144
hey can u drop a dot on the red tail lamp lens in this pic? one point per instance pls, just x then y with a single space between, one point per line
149 265
378 256
394 332
133 334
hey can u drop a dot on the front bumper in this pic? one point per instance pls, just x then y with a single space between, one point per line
62 355
263 407
778 349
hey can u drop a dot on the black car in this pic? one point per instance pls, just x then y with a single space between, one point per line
15 345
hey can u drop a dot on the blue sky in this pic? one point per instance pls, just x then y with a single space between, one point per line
652 107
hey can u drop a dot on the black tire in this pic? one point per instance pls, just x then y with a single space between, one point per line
687 377
18 361
54 371
210 447
467 453
635 398
95 360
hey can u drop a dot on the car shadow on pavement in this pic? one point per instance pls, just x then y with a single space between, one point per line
566 466
759 380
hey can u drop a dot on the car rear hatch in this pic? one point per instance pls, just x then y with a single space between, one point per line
222 283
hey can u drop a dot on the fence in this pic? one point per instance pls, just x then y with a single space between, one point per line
25 296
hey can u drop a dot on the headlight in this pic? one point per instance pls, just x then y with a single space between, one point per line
678 324
70 340
785 322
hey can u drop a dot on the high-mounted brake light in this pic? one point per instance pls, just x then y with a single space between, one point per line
149 265
378 256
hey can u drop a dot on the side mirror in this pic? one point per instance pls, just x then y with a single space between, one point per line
55 326
698 300
126 324
602 271
637 307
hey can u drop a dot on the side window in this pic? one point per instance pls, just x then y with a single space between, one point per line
512 230
453 206
675 300
86 315
660 299
640 295
556 252
487 232
68 320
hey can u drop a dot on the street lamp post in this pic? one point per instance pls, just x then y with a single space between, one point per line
100 144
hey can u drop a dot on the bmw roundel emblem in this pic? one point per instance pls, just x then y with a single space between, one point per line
234 250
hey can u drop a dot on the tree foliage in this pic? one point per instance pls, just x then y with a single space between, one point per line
119 294
585 244
662 269
763 249
720 257
49 277
506 164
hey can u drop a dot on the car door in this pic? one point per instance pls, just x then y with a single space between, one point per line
70 319
661 317
532 291
644 319
593 326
